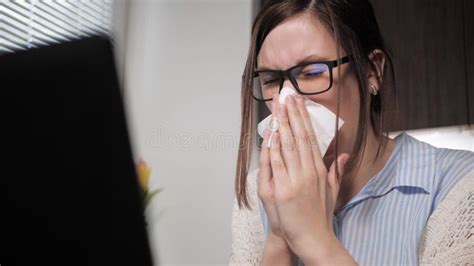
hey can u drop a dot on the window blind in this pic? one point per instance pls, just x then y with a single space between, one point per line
26 24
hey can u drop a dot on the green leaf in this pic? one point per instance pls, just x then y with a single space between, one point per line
149 195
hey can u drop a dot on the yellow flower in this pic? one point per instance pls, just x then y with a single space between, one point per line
143 172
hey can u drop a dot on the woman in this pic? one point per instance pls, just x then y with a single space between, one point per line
374 208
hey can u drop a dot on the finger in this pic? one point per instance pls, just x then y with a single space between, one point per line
311 140
275 103
274 106
280 175
300 134
265 172
333 181
288 146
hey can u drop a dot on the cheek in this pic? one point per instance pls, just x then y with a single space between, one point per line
268 105
349 101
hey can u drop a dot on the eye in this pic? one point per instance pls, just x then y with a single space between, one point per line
313 70
270 81
268 78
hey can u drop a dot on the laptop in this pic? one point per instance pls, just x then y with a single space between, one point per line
71 195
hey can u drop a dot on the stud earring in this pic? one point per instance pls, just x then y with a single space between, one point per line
373 89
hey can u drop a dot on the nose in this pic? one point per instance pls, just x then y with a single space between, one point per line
287 83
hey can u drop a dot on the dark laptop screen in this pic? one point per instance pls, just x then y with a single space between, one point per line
73 197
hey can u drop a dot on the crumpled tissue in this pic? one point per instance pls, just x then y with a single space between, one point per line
322 119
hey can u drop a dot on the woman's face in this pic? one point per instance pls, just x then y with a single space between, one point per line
303 36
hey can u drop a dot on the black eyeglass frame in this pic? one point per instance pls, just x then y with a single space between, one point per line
283 74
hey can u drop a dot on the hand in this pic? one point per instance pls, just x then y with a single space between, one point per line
265 186
304 191
277 250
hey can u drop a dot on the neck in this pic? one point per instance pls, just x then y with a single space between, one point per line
369 166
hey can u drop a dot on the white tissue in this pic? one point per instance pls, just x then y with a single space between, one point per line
323 120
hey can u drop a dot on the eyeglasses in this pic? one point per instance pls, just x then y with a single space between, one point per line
308 79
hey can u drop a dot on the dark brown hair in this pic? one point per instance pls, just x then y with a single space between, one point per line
355 29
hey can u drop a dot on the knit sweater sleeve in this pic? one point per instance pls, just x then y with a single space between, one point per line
448 237
248 238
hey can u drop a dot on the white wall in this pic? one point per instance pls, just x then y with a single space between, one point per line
183 69
457 137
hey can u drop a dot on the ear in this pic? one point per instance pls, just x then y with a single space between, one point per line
376 67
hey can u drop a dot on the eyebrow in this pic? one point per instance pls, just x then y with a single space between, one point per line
304 60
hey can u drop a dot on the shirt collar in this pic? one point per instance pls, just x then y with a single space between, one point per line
411 164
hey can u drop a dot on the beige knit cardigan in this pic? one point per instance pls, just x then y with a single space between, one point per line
447 239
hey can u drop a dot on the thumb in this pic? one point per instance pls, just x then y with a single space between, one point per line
333 181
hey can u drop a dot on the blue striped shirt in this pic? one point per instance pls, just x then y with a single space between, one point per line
383 223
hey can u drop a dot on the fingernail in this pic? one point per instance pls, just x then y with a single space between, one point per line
269 141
